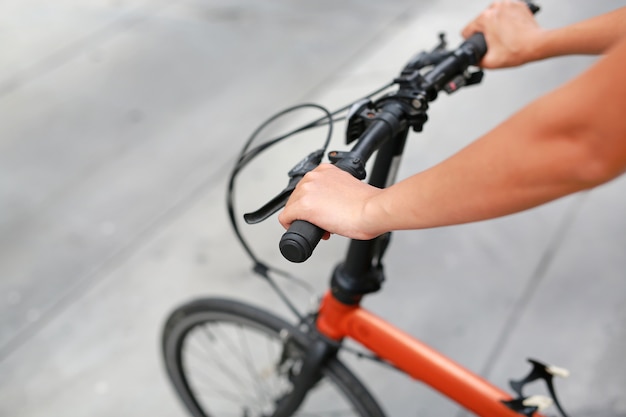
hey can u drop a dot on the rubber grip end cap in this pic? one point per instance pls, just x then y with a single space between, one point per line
294 247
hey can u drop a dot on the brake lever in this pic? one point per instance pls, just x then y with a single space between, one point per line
295 175
534 8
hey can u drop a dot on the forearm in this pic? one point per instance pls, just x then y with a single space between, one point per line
514 37
593 36
570 140
497 175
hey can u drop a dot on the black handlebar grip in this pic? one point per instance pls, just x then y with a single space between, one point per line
478 45
299 241
477 41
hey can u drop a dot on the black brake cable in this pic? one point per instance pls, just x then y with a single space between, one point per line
246 156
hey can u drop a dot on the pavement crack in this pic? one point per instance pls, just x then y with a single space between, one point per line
115 261
539 273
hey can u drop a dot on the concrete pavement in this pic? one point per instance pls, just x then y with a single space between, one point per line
120 122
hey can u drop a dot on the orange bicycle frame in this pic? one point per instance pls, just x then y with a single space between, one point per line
337 321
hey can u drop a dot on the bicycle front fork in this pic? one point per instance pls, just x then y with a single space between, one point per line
318 352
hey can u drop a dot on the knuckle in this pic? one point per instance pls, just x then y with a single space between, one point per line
309 176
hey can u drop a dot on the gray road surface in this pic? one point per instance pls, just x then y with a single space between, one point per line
120 121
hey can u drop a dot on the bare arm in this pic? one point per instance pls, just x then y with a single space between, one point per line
569 140
514 37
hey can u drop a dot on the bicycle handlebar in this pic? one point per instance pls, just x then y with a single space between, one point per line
299 241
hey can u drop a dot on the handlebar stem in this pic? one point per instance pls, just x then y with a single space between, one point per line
386 124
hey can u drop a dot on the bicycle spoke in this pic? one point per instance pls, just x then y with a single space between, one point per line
213 384
209 355
259 388
273 358
220 394
251 368
258 380
238 365
211 396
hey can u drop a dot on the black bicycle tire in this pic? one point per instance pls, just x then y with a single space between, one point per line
193 313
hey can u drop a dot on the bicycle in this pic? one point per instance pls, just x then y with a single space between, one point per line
267 366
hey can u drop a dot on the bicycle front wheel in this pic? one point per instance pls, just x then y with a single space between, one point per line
226 358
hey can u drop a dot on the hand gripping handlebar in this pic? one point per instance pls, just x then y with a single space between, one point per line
299 241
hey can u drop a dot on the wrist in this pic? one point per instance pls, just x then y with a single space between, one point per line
375 217
537 46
